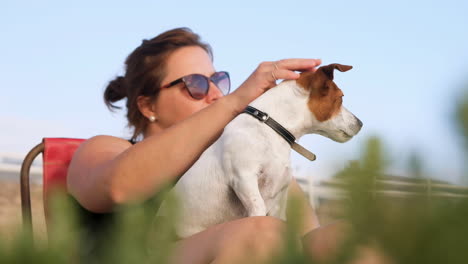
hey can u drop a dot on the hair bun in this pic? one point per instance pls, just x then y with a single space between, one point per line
116 90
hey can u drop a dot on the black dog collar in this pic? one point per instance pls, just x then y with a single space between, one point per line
283 132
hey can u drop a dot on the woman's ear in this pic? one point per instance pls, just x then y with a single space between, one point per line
146 107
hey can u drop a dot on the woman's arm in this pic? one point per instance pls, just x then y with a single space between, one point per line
106 171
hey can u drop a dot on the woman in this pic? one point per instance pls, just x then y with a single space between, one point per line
176 115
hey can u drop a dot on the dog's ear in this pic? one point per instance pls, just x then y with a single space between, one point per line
328 70
323 90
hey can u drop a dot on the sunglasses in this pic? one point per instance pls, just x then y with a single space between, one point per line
198 85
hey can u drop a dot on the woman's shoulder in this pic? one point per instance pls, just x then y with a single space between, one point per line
97 150
89 162
105 140
102 145
93 154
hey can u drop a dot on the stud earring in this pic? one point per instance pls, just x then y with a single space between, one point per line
152 118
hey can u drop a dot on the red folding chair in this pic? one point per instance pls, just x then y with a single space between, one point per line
56 156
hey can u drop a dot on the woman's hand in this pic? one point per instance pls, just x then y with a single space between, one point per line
266 75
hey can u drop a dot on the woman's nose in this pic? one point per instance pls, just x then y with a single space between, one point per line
213 93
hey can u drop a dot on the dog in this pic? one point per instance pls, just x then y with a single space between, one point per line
246 172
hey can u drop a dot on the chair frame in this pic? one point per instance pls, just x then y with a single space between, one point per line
24 185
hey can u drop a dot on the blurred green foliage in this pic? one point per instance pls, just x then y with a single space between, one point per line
461 118
401 229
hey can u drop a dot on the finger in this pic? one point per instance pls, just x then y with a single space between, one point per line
282 74
298 64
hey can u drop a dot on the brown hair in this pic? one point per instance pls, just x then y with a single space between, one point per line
144 72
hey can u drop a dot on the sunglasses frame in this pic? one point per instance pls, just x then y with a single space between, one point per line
208 79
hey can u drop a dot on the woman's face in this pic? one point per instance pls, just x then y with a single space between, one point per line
175 103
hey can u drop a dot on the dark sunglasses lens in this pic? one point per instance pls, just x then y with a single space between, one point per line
222 81
197 85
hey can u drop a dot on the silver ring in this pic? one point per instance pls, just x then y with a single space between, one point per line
273 74
273 71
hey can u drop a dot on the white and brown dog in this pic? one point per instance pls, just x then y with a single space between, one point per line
246 172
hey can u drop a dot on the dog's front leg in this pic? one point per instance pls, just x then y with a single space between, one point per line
278 208
246 189
279 201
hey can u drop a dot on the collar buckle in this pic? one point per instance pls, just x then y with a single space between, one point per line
264 117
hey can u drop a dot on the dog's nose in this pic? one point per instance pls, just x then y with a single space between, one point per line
359 122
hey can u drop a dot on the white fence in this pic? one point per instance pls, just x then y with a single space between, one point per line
389 185
10 167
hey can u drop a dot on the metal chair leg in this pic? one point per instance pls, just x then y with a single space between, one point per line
24 185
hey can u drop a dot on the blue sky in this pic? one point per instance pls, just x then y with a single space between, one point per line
410 63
